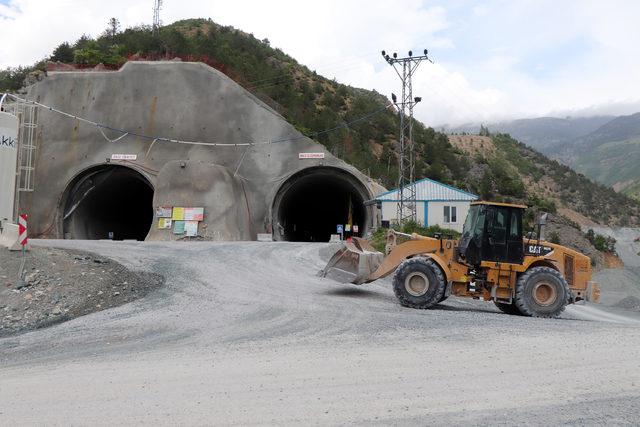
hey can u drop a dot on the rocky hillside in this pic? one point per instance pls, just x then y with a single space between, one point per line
543 133
606 149
507 170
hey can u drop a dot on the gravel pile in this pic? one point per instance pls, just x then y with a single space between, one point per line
60 285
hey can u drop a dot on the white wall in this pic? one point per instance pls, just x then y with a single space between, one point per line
8 157
390 211
435 213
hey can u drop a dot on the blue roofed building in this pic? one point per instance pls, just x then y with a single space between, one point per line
436 204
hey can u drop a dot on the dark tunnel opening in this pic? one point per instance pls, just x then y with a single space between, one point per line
109 199
311 204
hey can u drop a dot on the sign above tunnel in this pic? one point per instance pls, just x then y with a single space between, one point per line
124 157
310 155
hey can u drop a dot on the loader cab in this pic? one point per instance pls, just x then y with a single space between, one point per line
492 232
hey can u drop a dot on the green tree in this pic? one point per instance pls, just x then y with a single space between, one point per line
89 56
11 79
63 53
486 186
113 29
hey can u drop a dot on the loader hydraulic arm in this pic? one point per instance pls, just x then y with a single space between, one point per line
401 252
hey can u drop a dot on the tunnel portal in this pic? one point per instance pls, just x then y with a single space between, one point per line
108 199
309 205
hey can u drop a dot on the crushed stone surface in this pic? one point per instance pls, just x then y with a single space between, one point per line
60 285
244 333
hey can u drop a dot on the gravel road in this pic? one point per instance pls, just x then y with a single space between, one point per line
244 333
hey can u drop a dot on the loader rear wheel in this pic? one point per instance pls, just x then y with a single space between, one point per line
542 292
508 308
418 283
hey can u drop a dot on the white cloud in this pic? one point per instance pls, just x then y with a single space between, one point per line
494 61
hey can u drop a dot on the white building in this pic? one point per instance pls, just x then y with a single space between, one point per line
437 204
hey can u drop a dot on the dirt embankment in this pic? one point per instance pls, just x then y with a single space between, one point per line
60 285
612 261
572 237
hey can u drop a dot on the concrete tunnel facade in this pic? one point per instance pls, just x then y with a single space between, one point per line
81 192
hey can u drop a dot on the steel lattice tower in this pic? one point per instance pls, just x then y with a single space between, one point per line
157 5
405 68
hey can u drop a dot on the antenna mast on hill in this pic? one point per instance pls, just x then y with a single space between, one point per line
405 67
157 5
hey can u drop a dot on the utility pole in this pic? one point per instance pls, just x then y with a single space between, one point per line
157 5
405 67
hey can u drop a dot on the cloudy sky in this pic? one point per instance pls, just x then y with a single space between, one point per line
493 60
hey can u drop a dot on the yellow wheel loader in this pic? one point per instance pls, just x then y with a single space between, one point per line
491 261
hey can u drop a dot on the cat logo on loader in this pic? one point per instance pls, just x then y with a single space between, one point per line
491 261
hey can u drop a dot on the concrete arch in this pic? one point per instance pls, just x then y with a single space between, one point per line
107 198
312 201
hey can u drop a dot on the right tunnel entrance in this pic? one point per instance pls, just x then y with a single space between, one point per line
310 205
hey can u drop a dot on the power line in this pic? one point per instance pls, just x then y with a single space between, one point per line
155 139
405 67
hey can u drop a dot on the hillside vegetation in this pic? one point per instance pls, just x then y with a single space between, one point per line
610 154
508 170
544 134
314 103
603 148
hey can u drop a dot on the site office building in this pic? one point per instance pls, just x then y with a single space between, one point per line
436 204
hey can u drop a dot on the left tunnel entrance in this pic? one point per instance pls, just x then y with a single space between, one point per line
108 199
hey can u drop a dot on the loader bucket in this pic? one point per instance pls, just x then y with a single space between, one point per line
353 263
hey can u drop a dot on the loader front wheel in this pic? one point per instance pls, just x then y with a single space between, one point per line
418 283
508 308
542 292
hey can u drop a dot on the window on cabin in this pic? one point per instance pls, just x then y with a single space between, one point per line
450 214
